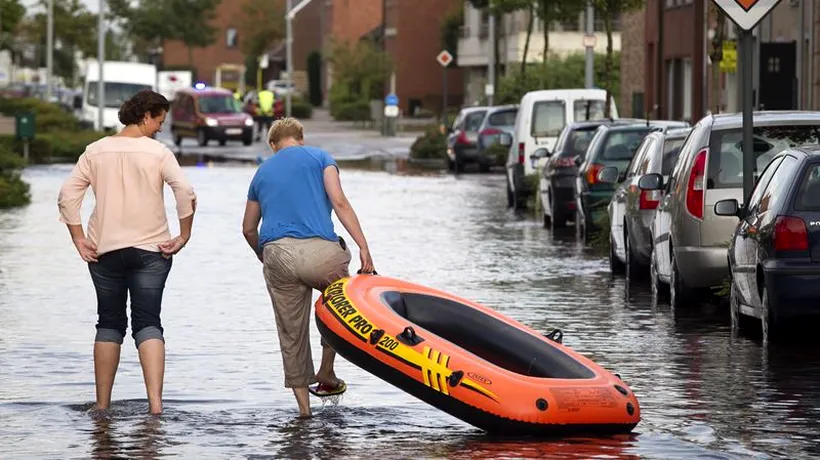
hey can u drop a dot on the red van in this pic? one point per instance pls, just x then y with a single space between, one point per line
209 113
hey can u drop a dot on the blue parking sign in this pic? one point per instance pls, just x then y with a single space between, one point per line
391 99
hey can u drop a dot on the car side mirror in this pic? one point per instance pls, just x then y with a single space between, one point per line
505 139
652 181
609 175
728 208
578 160
539 154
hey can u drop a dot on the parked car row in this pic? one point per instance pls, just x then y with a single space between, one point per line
474 130
680 214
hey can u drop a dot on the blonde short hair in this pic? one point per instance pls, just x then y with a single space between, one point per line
285 128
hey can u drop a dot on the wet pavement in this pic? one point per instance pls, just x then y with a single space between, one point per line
703 392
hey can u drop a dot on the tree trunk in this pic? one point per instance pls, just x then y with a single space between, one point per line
546 51
717 57
608 64
530 23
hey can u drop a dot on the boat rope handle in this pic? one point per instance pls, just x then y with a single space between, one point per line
454 378
409 336
375 336
556 336
362 273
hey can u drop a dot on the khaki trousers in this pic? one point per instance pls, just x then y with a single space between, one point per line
293 268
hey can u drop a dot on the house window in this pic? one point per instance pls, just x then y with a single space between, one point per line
774 65
230 38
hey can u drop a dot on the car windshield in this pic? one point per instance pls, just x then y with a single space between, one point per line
622 145
578 142
726 150
218 104
502 118
588 110
115 93
548 118
808 198
472 122
671 149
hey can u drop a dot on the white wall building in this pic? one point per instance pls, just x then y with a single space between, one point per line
474 44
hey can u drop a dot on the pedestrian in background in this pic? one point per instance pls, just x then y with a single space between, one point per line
293 193
129 248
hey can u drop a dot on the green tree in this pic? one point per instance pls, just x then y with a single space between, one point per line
150 22
451 29
550 11
263 25
610 9
716 53
11 13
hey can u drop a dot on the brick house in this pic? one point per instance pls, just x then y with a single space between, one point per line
413 40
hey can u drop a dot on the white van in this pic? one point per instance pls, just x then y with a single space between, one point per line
542 115
122 80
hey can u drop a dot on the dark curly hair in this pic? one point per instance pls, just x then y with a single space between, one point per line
133 110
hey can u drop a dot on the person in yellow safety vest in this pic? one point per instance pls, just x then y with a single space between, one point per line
265 112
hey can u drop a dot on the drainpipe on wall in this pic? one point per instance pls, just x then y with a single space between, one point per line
659 66
810 85
800 61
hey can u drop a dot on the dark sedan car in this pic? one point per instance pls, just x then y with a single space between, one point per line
632 209
774 254
557 182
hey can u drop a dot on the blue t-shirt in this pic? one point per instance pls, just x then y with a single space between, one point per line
290 189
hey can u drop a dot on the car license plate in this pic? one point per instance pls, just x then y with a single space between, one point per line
233 131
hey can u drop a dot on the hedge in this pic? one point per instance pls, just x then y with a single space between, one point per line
54 146
14 191
430 145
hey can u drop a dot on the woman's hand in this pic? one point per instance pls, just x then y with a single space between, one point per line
87 249
173 246
366 261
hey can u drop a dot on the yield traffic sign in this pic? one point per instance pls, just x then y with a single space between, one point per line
444 58
746 13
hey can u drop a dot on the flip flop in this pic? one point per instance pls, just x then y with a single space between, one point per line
322 390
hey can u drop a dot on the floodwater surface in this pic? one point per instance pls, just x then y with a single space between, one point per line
703 392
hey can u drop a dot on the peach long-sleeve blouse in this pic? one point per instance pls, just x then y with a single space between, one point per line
127 176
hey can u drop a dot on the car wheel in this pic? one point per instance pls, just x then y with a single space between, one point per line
678 292
222 142
738 321
768 323
510 196
631 266
615 265
483 167
659 289
177 139
201 138
247 140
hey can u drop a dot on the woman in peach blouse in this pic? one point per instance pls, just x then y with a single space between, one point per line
129 248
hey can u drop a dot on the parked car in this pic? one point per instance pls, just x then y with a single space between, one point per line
499 119
542 115
209 113
557 180
690 240
774 254
631 209
612 145
462 139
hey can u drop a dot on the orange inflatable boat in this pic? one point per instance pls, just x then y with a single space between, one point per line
470 361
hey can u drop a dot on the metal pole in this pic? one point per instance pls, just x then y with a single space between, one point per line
747 69
49 48
289 57
491 60
590 52
444 97
100 62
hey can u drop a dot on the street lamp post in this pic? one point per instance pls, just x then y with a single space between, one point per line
292 11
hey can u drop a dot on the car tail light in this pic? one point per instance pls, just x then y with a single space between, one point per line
790 234
521 153
592 173
490 132
563 163
649 199
462 138
697 184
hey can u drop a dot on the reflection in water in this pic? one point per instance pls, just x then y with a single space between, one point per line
703 392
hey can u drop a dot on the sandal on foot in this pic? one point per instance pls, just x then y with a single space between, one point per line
322 389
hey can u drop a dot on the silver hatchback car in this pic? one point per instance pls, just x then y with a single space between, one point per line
690 240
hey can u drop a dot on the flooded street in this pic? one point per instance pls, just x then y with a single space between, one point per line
703 393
